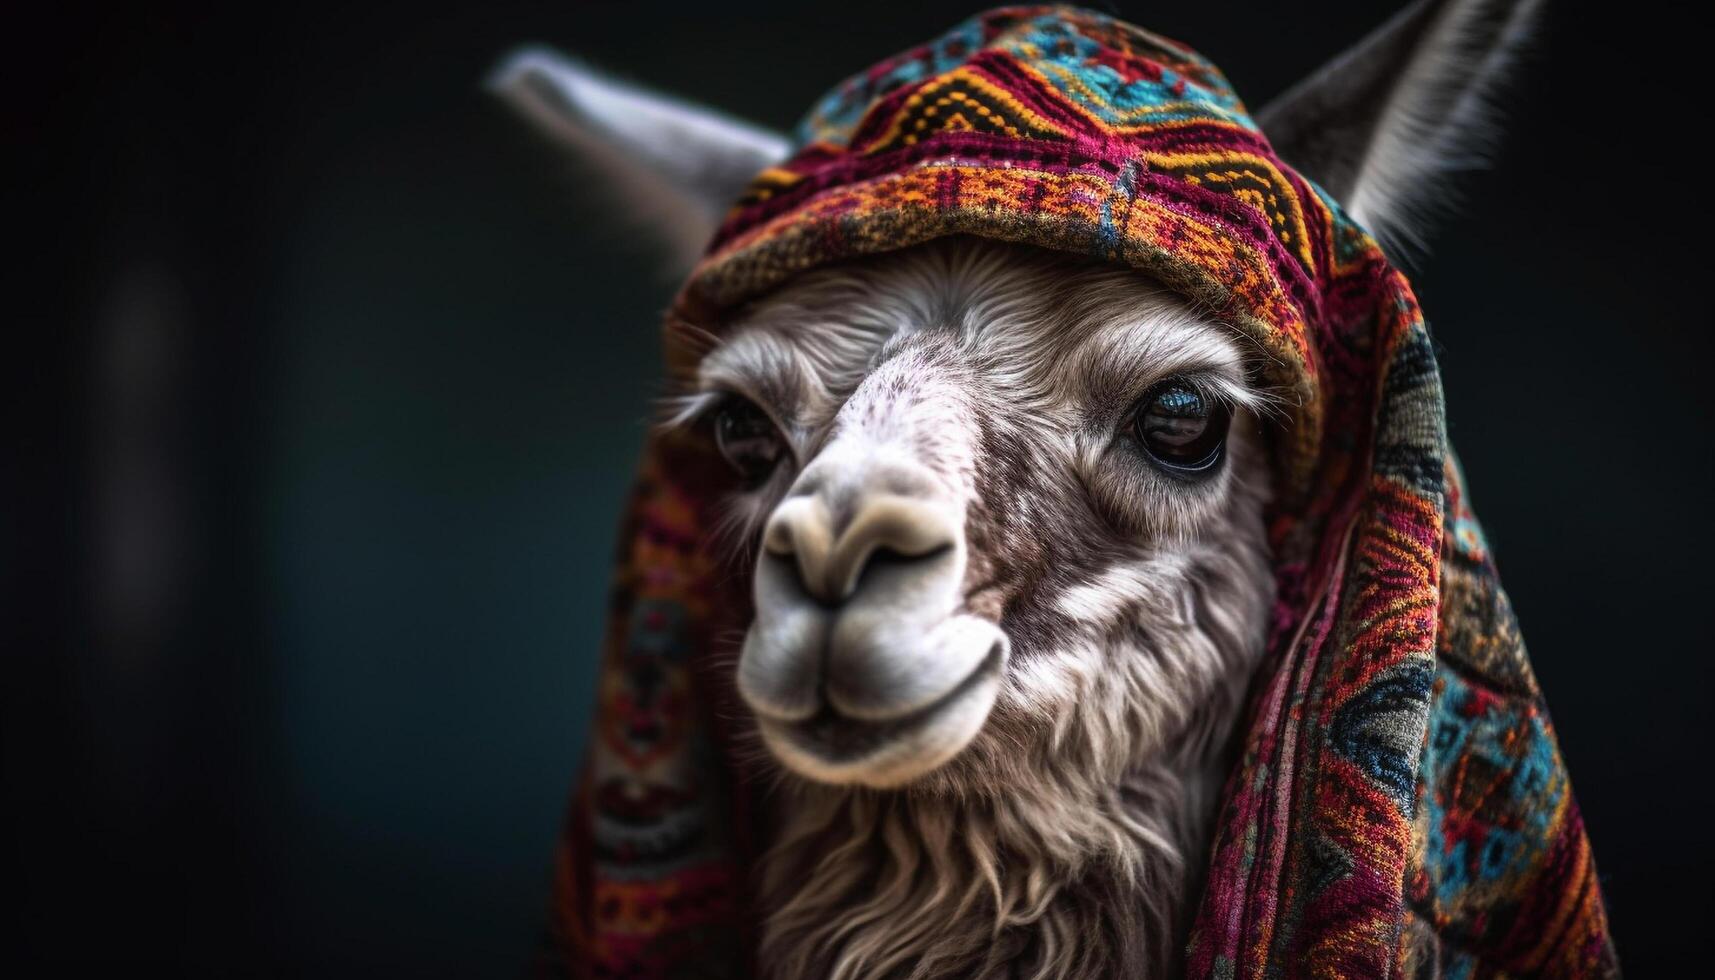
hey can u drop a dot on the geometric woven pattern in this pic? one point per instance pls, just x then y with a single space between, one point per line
1399 806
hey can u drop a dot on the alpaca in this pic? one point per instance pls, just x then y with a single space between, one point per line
1004 513
1005 610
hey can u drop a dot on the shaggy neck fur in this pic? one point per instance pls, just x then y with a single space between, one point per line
1067 879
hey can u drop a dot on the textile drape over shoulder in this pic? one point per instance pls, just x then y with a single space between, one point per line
1399 806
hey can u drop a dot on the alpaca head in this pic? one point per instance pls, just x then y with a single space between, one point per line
1003 505
998 501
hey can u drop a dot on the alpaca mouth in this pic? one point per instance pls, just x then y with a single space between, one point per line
835 748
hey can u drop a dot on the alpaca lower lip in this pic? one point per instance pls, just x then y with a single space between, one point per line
837 739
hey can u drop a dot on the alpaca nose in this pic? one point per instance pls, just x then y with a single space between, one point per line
857 594
831 553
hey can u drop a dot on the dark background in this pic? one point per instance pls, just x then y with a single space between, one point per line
323 388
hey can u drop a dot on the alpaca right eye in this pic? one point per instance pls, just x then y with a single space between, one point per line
747 438
1183 428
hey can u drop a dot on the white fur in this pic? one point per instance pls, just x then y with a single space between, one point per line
1439 122
676 166
1425 85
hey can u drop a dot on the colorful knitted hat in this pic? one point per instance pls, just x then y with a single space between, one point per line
1399 806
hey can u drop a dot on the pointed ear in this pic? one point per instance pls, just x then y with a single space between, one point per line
1382 126
673 166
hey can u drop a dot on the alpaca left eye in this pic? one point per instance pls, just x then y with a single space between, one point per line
747 438
1181 428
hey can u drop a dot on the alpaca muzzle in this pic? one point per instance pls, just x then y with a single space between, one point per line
860 665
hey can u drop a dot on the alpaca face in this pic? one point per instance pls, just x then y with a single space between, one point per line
999 502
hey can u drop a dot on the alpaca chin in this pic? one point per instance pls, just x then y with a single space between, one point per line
834 749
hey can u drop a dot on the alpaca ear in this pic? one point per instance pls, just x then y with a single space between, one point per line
1383 126
673 166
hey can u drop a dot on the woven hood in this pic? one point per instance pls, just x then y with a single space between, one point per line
1399 806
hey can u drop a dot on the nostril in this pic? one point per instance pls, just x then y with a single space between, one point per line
888 529
800 531
882 558
799 523
882 528
886 555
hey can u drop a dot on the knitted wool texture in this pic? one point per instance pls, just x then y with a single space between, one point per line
1399 806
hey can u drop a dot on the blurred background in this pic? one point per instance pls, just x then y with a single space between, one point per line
329 389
